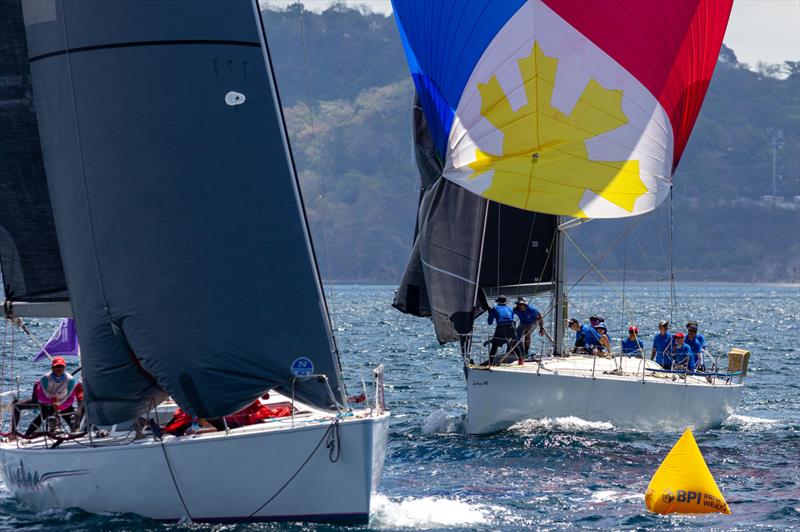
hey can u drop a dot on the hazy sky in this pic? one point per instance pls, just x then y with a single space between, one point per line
759 30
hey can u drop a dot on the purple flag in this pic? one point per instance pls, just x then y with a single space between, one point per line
64 342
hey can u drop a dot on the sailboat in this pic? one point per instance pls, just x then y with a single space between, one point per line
150 193
533 117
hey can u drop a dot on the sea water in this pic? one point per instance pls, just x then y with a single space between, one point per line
544 473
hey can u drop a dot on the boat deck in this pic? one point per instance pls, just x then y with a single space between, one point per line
613 368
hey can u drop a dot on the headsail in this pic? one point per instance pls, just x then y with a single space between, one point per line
179 217
577 108
460 237
29 255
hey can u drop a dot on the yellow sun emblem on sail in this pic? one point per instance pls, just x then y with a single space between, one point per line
545 166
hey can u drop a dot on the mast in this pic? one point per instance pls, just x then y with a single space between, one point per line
559 293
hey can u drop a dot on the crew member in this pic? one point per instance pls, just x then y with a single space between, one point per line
53 392
605 339
594 320
662 346
504 333
528 316
585 337
696 342
632 345
683 355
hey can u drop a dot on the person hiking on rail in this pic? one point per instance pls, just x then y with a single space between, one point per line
504 333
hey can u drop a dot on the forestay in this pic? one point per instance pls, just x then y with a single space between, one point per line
578 108
181 228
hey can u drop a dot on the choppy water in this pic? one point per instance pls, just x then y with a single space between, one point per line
551 473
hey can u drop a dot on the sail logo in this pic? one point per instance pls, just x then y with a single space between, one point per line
544 150
302 367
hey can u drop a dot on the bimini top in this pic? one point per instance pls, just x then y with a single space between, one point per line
579 108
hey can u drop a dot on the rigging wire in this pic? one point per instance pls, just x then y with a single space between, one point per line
672 298
605 253
332 435
597 270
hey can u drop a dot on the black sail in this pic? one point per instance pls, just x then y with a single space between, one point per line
451 247
181 226
29 254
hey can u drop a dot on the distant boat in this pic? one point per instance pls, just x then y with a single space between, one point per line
184 255
533 117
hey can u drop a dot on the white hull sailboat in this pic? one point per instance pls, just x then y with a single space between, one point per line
151 135
268 471
536 117
594 389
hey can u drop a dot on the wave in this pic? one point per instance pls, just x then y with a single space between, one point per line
748 423
614 496
440 422
560 424
426 513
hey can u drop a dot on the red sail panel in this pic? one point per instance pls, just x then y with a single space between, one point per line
670 47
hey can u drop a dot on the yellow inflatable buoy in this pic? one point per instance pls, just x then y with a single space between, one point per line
683 484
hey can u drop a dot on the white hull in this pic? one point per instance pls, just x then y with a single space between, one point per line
221 477
500 396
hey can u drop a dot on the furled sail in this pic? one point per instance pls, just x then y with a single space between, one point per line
183 235
578 108
29 255
451 247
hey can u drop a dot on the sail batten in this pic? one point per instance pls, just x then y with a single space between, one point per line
183 237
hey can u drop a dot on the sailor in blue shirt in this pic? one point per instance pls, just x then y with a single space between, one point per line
604 337
662 346
632 345
585 337
696 342
504 333
528 316
683 353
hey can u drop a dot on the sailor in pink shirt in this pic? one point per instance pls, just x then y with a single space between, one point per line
57 388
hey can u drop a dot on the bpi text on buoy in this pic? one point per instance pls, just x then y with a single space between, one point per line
683 483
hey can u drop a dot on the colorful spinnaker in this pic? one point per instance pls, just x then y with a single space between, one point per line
579 107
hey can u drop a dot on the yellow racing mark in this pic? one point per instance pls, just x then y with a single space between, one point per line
545 166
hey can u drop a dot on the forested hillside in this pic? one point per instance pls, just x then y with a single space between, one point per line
347 94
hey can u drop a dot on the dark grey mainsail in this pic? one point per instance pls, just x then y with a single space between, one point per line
29 255
182 230
460 238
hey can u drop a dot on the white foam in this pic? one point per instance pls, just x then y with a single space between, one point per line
748 422
426 512
440 422
562 424
614 496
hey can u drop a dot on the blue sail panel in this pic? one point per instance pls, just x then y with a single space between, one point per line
443 41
